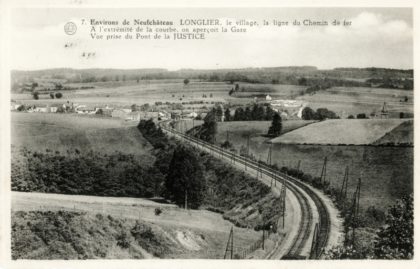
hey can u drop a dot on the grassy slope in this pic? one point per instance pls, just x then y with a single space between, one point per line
357 132
76 235
402 134
239 130
62 132
387 172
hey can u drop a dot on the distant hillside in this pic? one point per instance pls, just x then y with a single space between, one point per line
294 75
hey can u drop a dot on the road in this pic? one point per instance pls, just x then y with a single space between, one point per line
306 206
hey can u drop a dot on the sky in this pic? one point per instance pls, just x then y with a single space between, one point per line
377 37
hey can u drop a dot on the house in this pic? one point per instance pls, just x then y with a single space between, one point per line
41 109
134 116
119 113
192 115
268 98
82 109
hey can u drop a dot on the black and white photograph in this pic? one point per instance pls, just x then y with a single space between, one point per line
213 133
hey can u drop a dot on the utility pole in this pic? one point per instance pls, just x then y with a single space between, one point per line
343 191
284 188
247 146
263 238
324 172
314 245
269 155
186 199
356 199
229 245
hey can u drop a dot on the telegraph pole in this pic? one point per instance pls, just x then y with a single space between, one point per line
269 155
229 245
343 191
186 200
324 172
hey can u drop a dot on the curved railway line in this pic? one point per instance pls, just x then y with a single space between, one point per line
299 189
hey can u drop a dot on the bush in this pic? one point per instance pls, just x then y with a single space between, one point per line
122 240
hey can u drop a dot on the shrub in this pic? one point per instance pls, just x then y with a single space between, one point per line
122 240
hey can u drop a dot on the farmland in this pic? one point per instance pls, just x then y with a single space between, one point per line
347 101
387 172
363 132
257 130
402 134
62 132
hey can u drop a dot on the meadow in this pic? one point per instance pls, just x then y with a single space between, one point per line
347 101
387 172
62 132
257 130
342 131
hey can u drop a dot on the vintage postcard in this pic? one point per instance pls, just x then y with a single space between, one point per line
263 134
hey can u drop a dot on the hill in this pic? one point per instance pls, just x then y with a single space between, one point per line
334 132
403 134
62 132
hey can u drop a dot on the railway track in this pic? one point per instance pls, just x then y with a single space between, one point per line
298 188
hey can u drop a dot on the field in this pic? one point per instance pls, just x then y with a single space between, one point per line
124 94
347 101
62 132
239 130
203 236
403 134
387 172
128 93
348 132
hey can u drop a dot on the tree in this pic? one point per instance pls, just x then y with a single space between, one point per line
269 113
52 95
361 116
395 240
58 87
350 117
276 126
209 127
185 179
248 113
232 91
323 113
227 115
186 81
308 113
239 114
58 95
35 95
134 108
219 113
